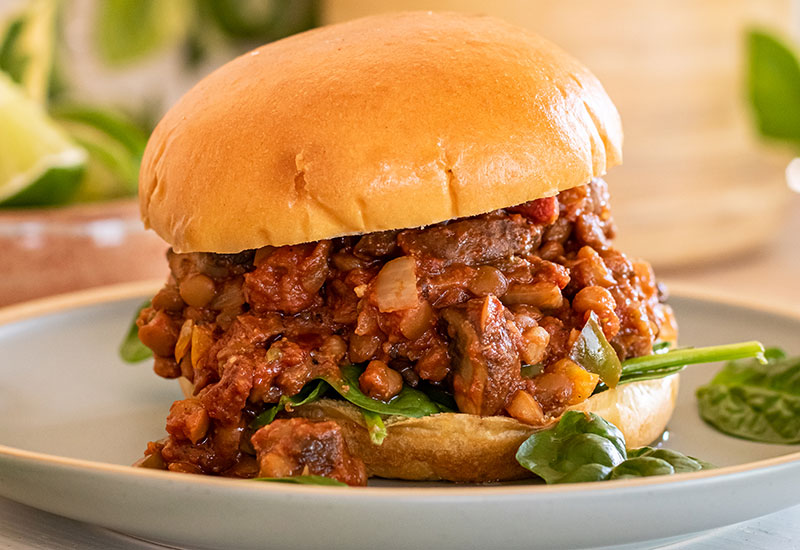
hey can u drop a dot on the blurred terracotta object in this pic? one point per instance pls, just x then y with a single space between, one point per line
51 251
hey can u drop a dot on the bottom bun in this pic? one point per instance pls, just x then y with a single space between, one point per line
469 448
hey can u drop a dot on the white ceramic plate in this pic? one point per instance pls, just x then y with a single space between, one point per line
72 416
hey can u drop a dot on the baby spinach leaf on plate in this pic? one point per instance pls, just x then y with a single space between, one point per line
647 461
303 480
409 402
131 349
579 448
585 447
755 401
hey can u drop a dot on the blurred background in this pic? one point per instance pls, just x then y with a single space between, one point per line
709 94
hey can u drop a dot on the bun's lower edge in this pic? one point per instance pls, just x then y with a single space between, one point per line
468 448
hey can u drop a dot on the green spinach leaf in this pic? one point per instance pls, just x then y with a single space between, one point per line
131 349
409 402
585 447
444 400
304 480
755 401
647 461
13 62
579 448
310 393
664 363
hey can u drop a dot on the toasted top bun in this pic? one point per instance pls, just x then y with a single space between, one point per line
385 122
470 448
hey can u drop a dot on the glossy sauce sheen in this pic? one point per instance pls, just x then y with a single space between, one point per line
460 305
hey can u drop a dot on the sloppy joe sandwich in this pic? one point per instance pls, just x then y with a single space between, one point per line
392 255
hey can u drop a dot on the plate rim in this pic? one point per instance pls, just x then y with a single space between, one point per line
139 289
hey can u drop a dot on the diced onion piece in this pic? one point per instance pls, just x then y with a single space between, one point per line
542 294
201 342
417 320
526 409
316 271
535 341
186 386
396 285
363 347
184 340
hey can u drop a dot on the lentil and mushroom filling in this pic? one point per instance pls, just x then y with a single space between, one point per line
460 306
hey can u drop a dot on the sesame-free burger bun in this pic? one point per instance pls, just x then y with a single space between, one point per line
385 122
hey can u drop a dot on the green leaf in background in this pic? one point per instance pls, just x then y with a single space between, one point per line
754 401
113 124
115 145
262 20
585 447
303 480
409 402
375 427
773 85
27 47
129 30
131 349
12 61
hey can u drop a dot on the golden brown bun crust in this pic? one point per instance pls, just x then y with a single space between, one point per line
469 448
385 122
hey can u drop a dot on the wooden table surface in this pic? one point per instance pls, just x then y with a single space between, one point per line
768 275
